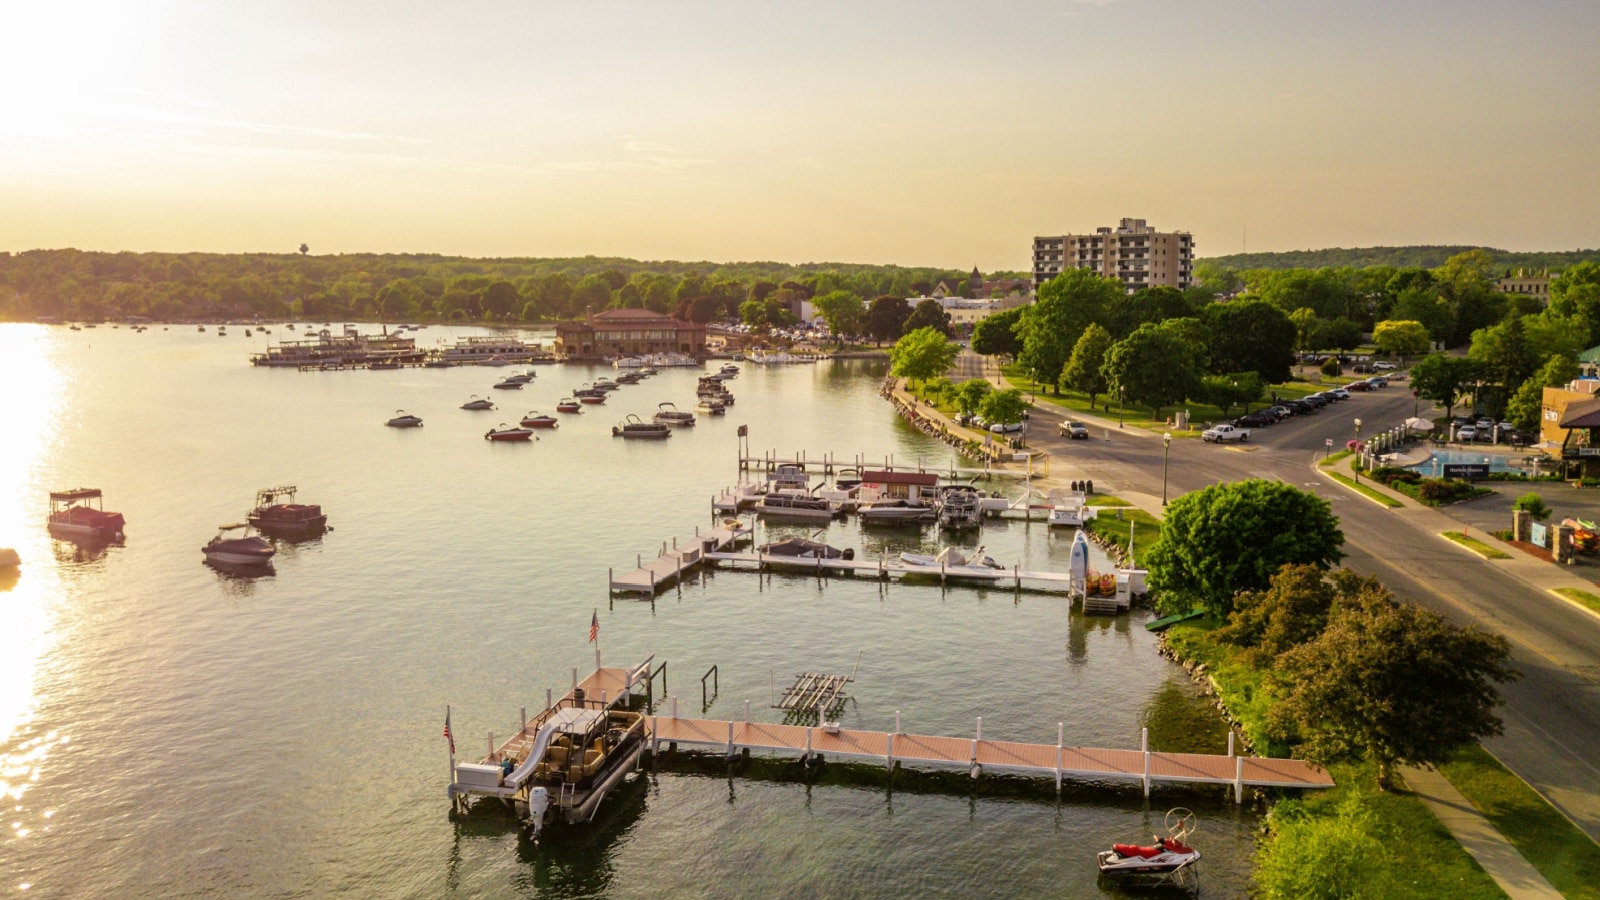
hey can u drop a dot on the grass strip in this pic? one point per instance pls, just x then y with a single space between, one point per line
1365 491
1561 851
1592 601
1475 545
1107 500
1333 458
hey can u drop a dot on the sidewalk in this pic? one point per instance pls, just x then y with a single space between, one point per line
1515 875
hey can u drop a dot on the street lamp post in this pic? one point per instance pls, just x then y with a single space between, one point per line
1119 406
1166 452
1353 469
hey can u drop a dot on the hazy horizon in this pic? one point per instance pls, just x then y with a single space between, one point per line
892 133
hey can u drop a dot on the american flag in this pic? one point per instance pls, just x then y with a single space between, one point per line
447 735
594 627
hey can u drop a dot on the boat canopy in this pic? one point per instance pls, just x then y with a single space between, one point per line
76 494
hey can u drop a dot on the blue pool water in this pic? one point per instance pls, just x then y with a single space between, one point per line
1434 464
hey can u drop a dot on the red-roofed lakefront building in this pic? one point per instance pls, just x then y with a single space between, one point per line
628 332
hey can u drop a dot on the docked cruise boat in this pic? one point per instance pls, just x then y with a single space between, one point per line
403 419
669 414
794 506
635 428
959 508
536 419
277 514
1069 509
248 550
952 562
477 403
505 432
497 351
79 515
348 348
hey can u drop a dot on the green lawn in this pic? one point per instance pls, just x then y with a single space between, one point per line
1107 500
1592 601
1335 457
1475 545
1363 490
1242 687
1146 528
1546 838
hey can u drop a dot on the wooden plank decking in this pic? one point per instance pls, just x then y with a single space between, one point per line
673 561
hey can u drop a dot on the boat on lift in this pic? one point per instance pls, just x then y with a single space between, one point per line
276 514
1069 509
249 550
536 419
403 419
669 414
896 512
568 405
506 433
1168 860
79 515
477 403
635 428
951 561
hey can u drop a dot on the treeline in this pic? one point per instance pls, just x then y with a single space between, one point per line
1419 256
73 284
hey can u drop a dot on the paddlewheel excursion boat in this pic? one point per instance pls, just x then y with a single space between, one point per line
277 514
246 551
1169 861
79 515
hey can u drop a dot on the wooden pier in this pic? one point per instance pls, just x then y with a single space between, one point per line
831 463
885 570
668 567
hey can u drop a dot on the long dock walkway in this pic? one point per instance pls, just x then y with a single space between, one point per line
673 561
831 463
884 569
979 755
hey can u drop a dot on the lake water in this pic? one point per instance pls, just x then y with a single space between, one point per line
166 729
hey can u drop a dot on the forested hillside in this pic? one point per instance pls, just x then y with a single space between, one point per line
72 284
1420 256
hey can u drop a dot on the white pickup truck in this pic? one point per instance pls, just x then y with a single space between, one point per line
1219 433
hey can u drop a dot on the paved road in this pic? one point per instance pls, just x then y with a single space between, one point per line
1552 715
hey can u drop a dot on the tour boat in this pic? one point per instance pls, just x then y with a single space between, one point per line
959 508
477 403
635 428
951 561
896 512
508 385
1164 861
403 419
569 405
80 515
507 433
492 351
535 419
277 514
249 550
669 414
794 505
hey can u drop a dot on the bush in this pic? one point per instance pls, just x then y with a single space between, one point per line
1330 367
1534 505
1387 475
1439 490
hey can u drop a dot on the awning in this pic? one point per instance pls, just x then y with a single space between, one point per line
1582 414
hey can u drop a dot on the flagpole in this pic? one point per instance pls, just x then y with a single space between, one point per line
451 744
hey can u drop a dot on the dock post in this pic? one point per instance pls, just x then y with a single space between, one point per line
730 742
638 560
980 728
747 712
1230 742
888 754
674 706
807 757
1238 779
1061 731
1144 747
524 718
655 738
897 721
547 695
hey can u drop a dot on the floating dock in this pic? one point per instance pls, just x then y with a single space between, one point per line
832 463
668 567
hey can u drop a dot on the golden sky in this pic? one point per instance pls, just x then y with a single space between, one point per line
919 133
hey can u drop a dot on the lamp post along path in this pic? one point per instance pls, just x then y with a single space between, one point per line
1166 452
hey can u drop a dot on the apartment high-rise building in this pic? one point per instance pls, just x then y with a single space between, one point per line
1133 253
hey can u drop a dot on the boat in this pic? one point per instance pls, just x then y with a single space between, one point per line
896 512
534 419
959 508
711 406
628 362
630 378
729 370
350 347
201 328
246 331
669 414
439 363
80 515
403 419
526 376
495 351
805 548
1165 861
250 550
590 396
506 433
277 514
10 561
1069 508
636 428
1078 563
569 405
794 505
477 403
508 385
604 384
647 371
951 561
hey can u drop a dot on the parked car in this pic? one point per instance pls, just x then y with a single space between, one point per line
1357 386
1218 434
1006 427
1339 394
1484 424
1381 366
1300 407
1466 433
1257 419
1281 411
1381 381
1076 431
1316 400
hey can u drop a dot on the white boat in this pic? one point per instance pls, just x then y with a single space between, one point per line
508 385
1078 563
628 362
248 550
730 370
403 419
634 428
524 377
497 351
669 414
1069 508
958 508
951 561
794 506
1166 861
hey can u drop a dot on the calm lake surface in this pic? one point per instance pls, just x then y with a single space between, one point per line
169 730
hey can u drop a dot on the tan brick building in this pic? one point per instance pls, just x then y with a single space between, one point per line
1133 253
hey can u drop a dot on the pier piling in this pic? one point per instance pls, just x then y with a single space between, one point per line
1144 748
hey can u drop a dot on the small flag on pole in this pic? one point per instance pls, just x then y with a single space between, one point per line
447 735
594 627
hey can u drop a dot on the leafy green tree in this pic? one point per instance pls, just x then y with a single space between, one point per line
1235 389
922 354
1234 537
1425 305
1152 367
970 394
886 318
1575 298
1503 353
1392 683
842 310
779 309
1323 290
1401 337
1085 371
1149 305
1293 609
1305 327
1218 278
928 314
1251 336
1468 272
590 293
995 334
1526 404
1443 379
1050 327
1003 407
754 314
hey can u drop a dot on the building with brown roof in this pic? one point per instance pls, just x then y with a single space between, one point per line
628 332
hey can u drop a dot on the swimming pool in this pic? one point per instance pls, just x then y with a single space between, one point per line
1434 464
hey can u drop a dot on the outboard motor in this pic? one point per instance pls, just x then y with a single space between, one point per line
538 802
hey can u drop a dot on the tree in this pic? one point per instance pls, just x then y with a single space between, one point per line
500 298
1293 609
1443 379
1154 304
886 318
1534 505
1003 407
1524 408
1393 683
1152 367
1050 327
754 314
995 334
928 314
1323 290
1305 327
922 354
1504 354
842 310
1234 537
1251 336
1575 297
1227 391
970 394
1401 337
1340 334
590 293
1085 371
1425 305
